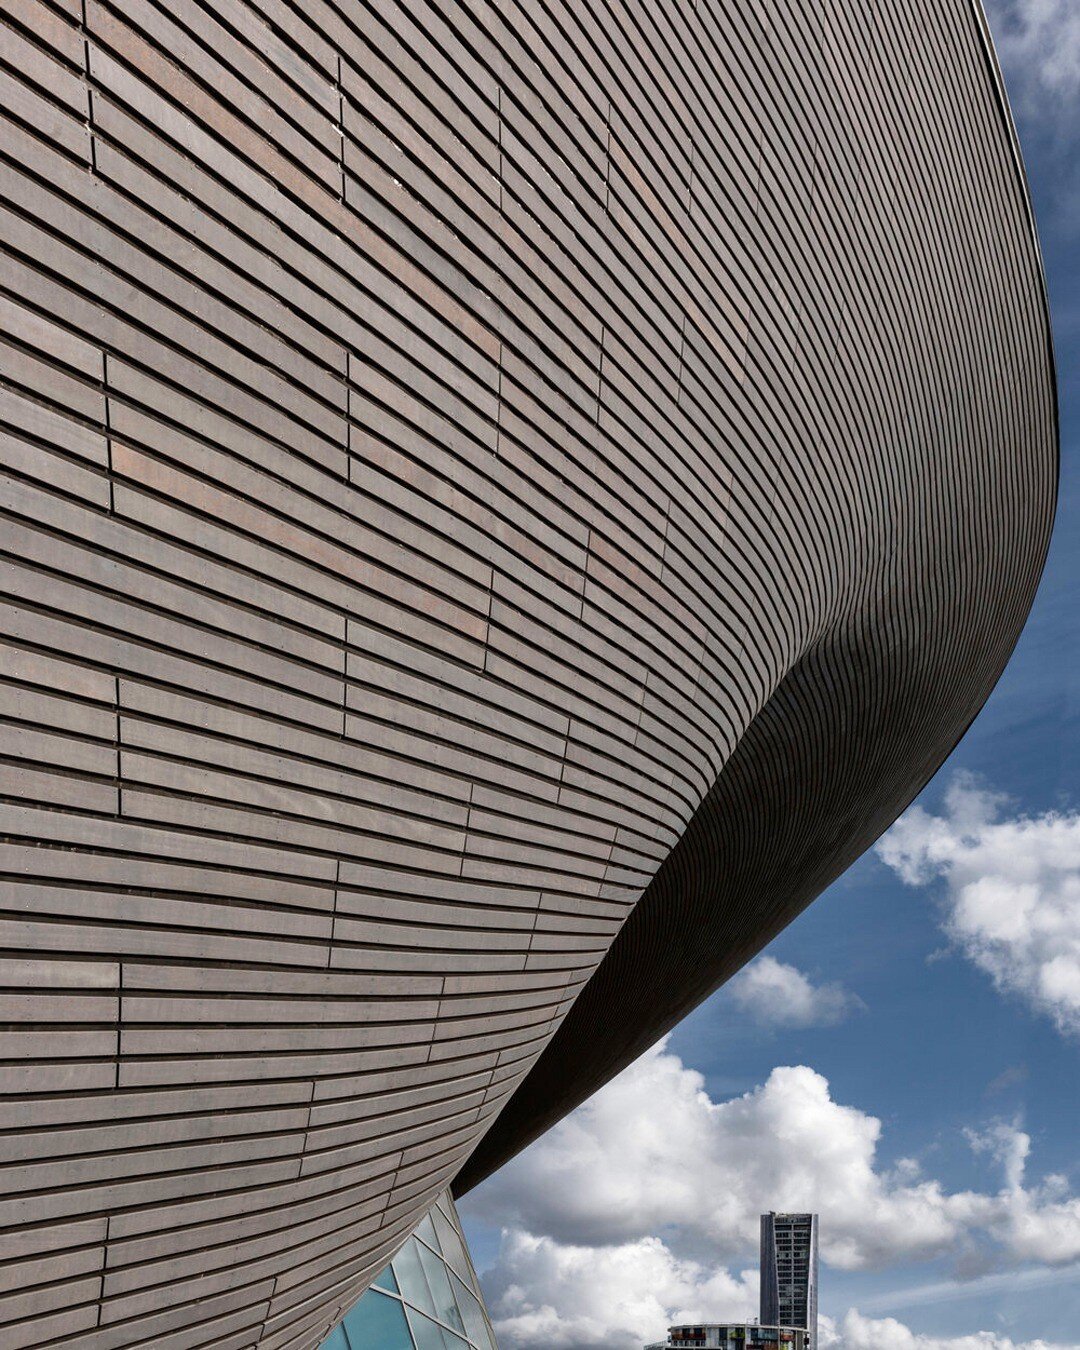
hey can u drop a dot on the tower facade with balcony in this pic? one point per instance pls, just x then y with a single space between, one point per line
789 1272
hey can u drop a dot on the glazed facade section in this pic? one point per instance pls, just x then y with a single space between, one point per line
427 1298
497 496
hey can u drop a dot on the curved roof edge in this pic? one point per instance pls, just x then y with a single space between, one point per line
997 80
541 1099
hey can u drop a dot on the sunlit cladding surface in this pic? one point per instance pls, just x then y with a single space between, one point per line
502 504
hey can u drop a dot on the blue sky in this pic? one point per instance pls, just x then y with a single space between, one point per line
918 1009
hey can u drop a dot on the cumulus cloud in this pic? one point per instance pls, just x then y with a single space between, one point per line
546 1295
1012 891
780 995
856 1332
653 1156
1038 42
651 1152
1008 1145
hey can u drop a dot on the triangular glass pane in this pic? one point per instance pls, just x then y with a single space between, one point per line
385 1280
377 1320
425 1231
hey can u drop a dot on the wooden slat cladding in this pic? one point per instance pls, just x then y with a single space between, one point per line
495 497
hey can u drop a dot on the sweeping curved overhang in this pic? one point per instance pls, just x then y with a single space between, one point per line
503 504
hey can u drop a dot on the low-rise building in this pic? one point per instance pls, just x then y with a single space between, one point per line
732 1336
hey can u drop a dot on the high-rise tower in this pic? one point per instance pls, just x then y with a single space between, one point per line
789 1272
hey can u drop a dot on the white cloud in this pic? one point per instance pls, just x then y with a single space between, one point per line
1012 891
856 1332
619 1219
781 995
1038 42
1008 1144
545 1295
651 1152
651 1155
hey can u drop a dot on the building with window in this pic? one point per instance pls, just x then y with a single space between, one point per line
501 504
732 1336
789 1271
789 1283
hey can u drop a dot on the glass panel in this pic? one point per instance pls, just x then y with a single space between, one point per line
452 1248
410 1278
428 1335
426 1233
446 1310
385 1280
418 1302
475 1324
377 1320
470 1276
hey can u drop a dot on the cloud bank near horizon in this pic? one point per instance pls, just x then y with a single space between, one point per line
855 1332
614 1222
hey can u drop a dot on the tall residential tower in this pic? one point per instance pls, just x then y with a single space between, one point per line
789 1272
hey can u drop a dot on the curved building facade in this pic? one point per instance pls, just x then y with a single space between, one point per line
502 503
